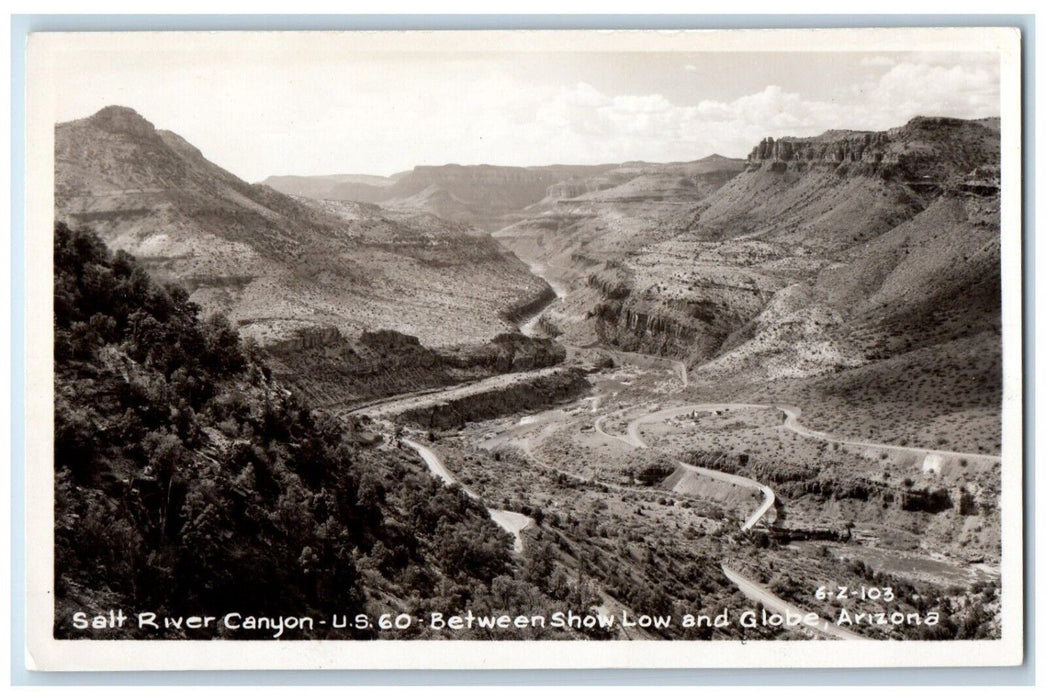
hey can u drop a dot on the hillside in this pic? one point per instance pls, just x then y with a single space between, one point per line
275 264
585 221
187 479
785 368
817 257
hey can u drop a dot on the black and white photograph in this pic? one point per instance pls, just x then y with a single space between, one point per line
586 349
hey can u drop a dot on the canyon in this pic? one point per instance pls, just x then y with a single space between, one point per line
614 355
813 260
275 264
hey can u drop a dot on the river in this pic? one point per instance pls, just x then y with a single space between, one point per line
529 327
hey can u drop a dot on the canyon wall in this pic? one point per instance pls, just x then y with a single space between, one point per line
864 147
698 278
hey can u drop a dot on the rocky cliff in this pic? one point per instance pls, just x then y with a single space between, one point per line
816 256
864 147
526 308
274 263
934 149
655 321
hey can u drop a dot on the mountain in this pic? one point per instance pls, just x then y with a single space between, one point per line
816 258
582 233
614 211
278 264
480 195
324 186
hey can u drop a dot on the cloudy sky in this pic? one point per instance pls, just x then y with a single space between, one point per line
382 112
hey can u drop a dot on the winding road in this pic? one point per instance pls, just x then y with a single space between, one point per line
510 521
514 523
791 422
768 600
636 440
751 589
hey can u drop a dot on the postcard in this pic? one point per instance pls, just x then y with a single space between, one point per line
524 349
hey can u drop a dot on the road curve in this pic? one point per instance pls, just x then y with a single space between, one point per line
750 589
791 422
598 426
636 440
509 521
768 600
744 482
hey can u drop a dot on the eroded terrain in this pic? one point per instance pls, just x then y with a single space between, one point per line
696 388
664 501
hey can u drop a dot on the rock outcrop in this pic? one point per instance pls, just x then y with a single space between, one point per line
925 149
525 309
536 392
122 120
330 369
853 147
887 241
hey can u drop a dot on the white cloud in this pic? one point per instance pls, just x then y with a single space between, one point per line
386 115
652 127
925 88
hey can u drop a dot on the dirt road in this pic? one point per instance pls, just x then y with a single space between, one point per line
756 592
509 521
751 589
636 440
791 422
401 404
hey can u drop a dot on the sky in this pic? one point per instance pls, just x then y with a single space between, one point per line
383 112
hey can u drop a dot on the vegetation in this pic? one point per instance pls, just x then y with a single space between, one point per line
188 481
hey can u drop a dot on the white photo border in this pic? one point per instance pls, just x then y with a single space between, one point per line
47 53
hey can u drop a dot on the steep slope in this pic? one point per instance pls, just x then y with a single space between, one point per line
891 240
273 263
830 191
583 240
614 212
689 276
818 262
188 481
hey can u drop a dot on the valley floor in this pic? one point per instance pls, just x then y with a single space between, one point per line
634 485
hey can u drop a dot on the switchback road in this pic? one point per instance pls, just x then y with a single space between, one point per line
509 521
